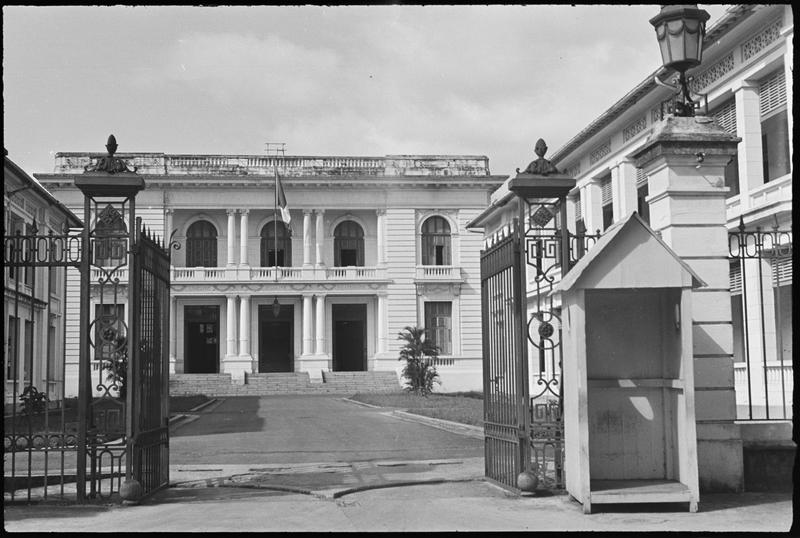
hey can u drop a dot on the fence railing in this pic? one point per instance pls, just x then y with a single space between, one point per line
761 303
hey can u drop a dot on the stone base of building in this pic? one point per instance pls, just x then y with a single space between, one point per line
720 460
237 366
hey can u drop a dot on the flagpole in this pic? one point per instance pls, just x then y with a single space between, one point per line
275 221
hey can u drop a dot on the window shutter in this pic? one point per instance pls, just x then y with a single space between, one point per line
736 279
605 191
772 93
725 116
578 212
641 178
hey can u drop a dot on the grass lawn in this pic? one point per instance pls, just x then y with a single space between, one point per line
463 407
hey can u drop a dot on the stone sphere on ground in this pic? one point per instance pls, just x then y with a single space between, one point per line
527 481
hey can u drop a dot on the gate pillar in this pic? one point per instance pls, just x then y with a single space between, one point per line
684 159
109 188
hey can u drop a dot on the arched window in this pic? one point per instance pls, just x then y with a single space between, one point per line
348 244
269 247
110 245
436 242
201 245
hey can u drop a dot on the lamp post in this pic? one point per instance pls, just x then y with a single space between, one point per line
680 30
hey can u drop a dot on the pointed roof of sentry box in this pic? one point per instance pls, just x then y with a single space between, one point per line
630 255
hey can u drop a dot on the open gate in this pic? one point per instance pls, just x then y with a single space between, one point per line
117 427
505 368
148 423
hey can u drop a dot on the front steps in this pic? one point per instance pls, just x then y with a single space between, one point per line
283 383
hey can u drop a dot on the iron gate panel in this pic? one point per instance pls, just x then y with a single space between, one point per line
148 397
39 443
507 449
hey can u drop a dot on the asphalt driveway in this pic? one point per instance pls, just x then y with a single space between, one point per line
308 429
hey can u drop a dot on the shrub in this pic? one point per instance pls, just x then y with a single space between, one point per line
33 401
419 372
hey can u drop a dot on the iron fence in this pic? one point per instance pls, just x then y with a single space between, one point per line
40 436
761 305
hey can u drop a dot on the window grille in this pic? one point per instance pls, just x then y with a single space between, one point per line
772 93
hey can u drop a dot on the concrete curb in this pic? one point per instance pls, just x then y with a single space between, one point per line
362 404
447 425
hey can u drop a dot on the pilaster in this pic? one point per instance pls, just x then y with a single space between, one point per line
319 235
243 236
748 127
623 189
591 196
685 160
230 238
306 238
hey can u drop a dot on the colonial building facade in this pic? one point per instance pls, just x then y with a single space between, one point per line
34 309
372 245
745 85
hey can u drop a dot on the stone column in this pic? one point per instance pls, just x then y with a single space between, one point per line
308 337
748 127
592 198
173 333
306 238
244 326
685 160
623 189
231 327
320 324
319 234
382 328
243 232
381 239
231 235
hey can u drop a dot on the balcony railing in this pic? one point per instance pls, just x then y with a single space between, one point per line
260 274
448 273
290 166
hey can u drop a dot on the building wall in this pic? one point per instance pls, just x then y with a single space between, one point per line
393 285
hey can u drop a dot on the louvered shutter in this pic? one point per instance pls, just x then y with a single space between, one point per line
725 116
605 192
772 93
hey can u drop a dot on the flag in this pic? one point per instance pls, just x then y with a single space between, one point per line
280 200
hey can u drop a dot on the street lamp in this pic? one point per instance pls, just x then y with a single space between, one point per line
680 30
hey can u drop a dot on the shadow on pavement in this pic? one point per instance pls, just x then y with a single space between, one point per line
232 415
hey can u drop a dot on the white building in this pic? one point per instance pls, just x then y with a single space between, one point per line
745 84
34 311
374 244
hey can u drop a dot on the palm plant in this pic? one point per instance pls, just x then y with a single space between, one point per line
418 352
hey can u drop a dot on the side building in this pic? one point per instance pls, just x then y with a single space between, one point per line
34 309
745 84
372 245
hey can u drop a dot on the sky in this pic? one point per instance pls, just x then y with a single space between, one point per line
356 80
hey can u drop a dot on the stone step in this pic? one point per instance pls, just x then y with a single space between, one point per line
260 384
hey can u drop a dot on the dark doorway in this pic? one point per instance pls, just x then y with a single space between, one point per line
349 322
275 339
201 339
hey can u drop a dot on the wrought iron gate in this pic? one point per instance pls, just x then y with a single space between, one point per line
148 396
505 370
118 424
